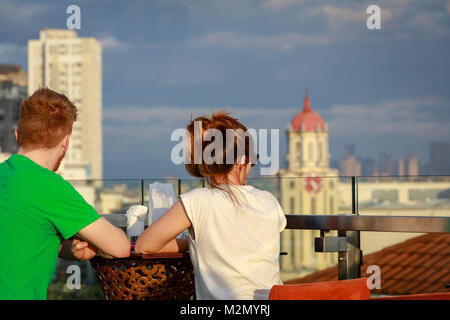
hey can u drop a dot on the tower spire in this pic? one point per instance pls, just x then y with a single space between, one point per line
306 105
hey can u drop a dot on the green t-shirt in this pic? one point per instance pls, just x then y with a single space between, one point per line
37 209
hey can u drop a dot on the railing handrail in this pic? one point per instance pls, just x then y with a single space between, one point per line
352 222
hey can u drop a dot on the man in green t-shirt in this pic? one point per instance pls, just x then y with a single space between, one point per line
41 215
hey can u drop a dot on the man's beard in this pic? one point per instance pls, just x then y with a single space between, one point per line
58 163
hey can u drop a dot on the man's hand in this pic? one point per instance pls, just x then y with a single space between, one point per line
83 250
76 249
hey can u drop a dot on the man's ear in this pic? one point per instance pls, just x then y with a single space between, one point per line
66 141
16 132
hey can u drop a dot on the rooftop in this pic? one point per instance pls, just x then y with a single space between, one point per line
418 265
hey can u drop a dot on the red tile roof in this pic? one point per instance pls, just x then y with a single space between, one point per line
417 265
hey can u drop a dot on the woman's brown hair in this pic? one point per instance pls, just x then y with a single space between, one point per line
242 144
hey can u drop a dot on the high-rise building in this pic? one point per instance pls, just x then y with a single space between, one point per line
408 166
308 186
386 165
13 89
439 158
66 63
349 166
368 167
349 149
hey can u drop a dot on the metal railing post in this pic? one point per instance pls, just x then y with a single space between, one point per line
349 261
179 188
142 192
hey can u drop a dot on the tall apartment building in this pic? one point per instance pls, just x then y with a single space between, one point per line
66 63
439 158
408 166
13 89
350 167
386 165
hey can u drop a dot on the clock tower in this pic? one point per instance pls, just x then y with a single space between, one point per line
308 186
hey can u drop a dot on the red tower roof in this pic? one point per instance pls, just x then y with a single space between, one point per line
307 120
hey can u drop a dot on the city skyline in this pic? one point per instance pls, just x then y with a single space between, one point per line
383 91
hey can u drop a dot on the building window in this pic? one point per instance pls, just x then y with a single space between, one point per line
385 195
313 205
292 184
298 150
319 151
292 205
310 151
331 205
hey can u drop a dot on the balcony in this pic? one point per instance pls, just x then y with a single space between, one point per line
393 230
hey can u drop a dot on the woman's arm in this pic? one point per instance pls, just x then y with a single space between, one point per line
160 236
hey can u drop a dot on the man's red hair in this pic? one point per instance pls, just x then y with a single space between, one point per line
46 117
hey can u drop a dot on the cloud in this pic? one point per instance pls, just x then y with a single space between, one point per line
284 42
415 118
278 4
155 124
19 13
110 42
9 52
312 23
419 117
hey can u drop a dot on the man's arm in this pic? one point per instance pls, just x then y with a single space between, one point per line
107 238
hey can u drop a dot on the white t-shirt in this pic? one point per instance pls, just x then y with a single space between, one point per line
234 248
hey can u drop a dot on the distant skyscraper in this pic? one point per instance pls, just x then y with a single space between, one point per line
349 166
13 89
408 166
349 149
386 164
63 62
440 158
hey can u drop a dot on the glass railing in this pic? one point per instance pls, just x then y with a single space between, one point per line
410 196
427 196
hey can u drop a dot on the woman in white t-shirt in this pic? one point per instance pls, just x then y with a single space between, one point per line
234 229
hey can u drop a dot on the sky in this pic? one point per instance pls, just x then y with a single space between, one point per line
165 61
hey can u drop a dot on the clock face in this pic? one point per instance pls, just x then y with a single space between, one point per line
313 184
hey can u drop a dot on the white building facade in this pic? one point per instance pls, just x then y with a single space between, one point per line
65 63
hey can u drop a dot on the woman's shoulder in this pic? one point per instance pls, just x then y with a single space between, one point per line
264 194
198 192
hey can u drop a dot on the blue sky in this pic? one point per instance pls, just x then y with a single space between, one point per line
382 90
